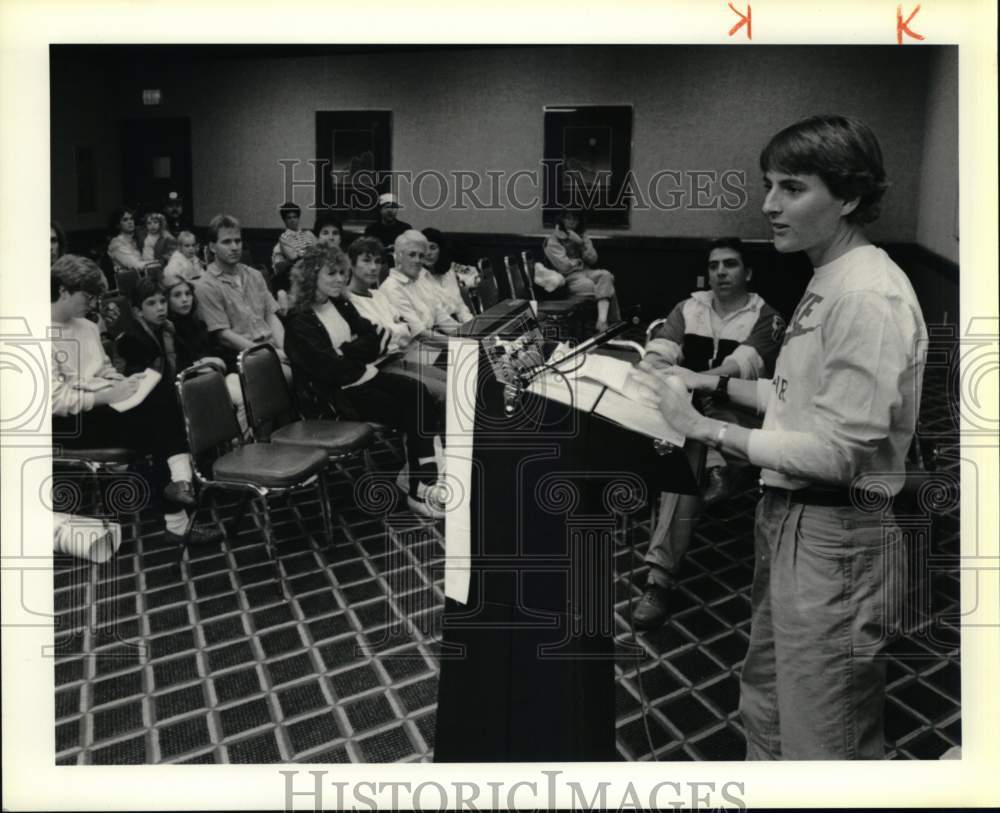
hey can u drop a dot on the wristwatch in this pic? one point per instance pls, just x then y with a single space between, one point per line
721 391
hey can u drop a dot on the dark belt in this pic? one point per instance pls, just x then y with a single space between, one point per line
825 497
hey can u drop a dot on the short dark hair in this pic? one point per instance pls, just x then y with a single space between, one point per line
733 243
569 211
144 289
364 245
842 151
220 222
327 219
289 207
75 273
116 216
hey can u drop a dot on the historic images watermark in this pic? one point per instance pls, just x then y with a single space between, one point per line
521 190
545 792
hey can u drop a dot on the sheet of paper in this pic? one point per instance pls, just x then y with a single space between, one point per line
149 380
572 390
637 417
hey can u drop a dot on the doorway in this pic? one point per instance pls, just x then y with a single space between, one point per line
156 159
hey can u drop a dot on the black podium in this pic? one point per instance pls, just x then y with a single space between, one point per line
527 664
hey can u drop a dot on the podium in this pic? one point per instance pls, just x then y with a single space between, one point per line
527 664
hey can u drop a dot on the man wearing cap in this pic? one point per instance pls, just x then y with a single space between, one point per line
173 211
387 228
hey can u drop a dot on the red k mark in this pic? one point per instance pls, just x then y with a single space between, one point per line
745 21
904 25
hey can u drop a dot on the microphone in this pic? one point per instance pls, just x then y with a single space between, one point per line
598 340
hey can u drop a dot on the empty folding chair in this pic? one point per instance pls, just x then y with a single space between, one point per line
222 462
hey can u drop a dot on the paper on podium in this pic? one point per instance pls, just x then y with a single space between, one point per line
150 378
597 386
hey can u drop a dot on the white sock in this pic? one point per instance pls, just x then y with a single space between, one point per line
176 522
180 467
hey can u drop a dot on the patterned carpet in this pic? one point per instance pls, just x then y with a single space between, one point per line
214 662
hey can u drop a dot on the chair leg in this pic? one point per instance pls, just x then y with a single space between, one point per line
234 524
270 546
324 507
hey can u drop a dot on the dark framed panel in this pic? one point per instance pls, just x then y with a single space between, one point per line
588 155
354 157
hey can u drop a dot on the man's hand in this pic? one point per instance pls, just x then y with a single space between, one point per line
666 393
693 381
574 237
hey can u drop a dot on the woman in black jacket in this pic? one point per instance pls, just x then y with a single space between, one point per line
331 345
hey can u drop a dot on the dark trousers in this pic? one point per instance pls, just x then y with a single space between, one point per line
404 404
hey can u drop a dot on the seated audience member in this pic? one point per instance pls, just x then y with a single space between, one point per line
57 242
387 228
233 299
418 300
573 255
725 331
288 252
294 240
123 249
332 346
328 229
185 262
406 353
165 249
84 383
150 238
193 342
443 273
173 211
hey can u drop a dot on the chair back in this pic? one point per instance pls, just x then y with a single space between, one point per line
126 279
486 294
266 395
515 279
209 414
527 266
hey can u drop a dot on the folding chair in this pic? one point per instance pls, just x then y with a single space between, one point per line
220 461
273 415
96 463
485 295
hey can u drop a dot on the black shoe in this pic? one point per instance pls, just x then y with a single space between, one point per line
180 492
719 485
203 535
651 610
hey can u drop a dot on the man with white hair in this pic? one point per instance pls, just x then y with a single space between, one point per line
407 289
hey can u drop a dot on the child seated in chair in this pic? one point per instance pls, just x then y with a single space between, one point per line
184 262
85 384
573 255
193 342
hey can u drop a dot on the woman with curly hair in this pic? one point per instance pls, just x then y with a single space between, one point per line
330 344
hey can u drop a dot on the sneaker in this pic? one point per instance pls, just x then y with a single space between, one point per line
180 492
651 610
428 501
200 535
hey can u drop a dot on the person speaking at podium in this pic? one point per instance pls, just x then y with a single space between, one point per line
839 417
